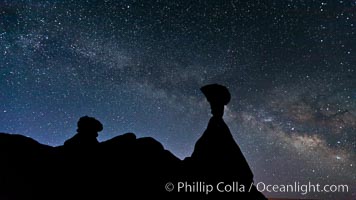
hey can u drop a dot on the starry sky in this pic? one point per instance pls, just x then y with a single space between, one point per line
137 66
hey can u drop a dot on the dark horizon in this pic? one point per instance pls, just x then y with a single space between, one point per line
137 66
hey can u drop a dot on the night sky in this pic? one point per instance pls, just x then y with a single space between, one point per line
138 65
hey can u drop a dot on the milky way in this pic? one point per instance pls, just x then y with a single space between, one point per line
137 66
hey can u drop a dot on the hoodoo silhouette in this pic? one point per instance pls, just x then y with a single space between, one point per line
126 166
216 156
88 128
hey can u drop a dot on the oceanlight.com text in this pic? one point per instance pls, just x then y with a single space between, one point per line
303 189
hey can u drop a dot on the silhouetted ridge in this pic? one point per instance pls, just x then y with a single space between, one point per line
123 165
